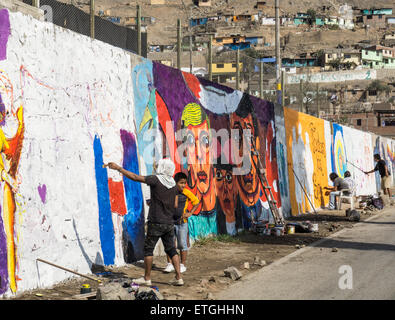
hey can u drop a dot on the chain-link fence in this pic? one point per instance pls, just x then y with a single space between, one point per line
70 17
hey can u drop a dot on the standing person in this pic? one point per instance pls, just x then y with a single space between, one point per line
160 216
185 198
338 185
385 175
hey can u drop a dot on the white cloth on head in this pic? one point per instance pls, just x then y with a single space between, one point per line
165 172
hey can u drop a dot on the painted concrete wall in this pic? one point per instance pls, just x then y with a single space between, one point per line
70 108
69 104
315 148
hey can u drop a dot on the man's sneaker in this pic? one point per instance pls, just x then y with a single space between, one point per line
169 268
182 268
176 282
142 281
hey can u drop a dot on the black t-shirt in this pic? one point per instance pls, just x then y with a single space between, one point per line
161 209
380 166
182 199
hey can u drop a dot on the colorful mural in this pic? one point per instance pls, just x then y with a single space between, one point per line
69 104
360 158
386 149
308 174
339 156
204 115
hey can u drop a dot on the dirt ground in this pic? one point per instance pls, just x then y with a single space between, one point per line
207 260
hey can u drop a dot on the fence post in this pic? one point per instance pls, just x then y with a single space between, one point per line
210 59
283 88
92 14
178 44
317 97
139 30
36 3
238 69
261 80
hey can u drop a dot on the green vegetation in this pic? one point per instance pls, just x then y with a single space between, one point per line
379 86
218 238
312 16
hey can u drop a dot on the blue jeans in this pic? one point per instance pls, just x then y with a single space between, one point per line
332 199
181 234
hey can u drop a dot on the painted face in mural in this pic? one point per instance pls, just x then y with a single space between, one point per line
197 140
248 183
226 192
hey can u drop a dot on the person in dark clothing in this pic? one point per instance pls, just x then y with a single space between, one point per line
160 216
385 174
338 185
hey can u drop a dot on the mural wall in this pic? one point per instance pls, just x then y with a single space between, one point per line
69 104
66 107
315 148
194 120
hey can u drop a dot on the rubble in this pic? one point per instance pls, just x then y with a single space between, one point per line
113 291
233 273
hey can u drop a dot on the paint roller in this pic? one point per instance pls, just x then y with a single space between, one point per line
308 198
355 166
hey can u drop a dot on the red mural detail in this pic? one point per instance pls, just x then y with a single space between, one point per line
271 164
117 197
193 83
164 120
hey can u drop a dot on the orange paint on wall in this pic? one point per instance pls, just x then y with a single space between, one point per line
117 197
306 147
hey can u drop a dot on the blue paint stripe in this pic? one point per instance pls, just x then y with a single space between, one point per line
134 219
103 197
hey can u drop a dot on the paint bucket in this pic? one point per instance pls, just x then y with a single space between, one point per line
314 227
279 231
86 288
290 229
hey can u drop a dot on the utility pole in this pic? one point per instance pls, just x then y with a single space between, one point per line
238 69
138 30
190 43
301 95
179 44
92 13
317 98
278 57
210 58
190 54
261 80
282 89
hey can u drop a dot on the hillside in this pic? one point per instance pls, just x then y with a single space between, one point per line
163 30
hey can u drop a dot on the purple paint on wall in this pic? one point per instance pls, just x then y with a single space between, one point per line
3 259
42 191
171 86
263 109
4 33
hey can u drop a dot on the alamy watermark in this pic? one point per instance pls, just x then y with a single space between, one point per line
48 13
346 280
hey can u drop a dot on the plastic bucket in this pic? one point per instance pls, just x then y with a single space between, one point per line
290 229
86 288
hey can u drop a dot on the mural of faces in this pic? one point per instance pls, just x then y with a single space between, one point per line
197 139
226 194
198 156
248 184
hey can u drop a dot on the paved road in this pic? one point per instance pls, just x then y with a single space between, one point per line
312 273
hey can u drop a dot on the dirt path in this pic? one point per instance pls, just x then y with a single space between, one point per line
207 260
